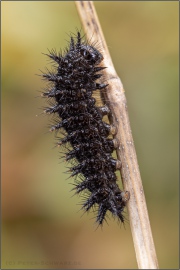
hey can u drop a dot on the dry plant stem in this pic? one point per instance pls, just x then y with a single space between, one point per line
130 174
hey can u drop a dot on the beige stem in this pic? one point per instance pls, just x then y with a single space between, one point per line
130 174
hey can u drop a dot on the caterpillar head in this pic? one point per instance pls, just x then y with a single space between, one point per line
90 54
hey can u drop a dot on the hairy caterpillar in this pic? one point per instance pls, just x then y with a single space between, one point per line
86 142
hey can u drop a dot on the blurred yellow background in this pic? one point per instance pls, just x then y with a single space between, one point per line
42 226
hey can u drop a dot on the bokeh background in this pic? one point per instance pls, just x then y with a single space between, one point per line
42 226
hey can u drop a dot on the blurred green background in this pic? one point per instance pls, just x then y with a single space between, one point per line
42 226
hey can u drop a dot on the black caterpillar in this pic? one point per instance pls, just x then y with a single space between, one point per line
71 88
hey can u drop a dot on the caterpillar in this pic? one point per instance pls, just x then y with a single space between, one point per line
85 136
